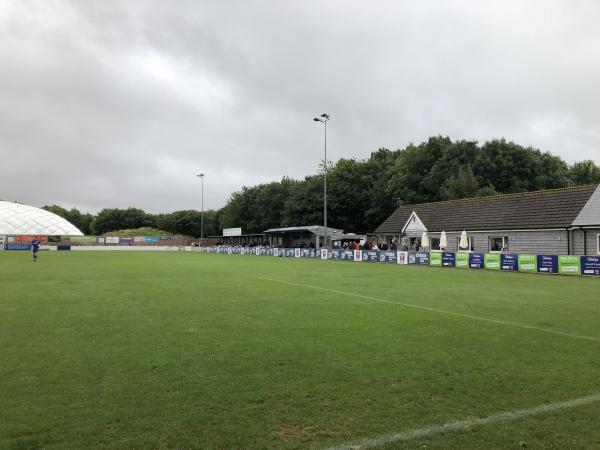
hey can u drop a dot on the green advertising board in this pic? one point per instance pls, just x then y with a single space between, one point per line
462 260
83 238
527 263
569 265
492 261
435 259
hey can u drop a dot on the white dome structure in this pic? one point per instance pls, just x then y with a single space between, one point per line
18 219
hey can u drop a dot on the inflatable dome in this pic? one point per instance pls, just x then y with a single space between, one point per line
22 219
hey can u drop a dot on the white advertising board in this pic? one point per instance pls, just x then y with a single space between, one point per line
232 231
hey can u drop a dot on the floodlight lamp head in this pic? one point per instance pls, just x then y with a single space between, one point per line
316 119
325 116
201 175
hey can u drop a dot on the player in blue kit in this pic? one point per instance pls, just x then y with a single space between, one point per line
35 248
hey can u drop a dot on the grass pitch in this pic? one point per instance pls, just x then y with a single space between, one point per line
182 350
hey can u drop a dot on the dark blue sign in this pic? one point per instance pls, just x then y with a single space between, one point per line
15 246
334 254
347 255
448 259
476 260
388 256
547 263
370 256
418 258
509 261
590 265
307 253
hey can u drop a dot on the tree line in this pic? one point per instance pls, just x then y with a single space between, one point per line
363 193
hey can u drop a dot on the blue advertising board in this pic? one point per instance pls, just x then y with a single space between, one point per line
370 255
590 265
509 261
476 260
17 246
347 255
307 253
334 254
418 258
388 256
448 259
547 263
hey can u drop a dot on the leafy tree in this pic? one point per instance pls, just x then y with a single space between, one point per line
463 185
81 221
584 172
112 219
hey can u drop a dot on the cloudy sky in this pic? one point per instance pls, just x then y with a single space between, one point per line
118 103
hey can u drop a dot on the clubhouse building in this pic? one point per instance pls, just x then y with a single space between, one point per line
556 221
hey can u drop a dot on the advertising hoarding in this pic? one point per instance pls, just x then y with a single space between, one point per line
492 261
527 263
547 263
569 265
509 261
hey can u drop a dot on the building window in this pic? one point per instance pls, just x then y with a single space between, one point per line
498 243
434 244
470 248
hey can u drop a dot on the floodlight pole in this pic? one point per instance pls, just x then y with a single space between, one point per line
324 118
201 176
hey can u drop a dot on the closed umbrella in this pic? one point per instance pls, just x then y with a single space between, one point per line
424 240
443 241
464 242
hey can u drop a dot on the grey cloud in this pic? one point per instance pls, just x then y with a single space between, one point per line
119 103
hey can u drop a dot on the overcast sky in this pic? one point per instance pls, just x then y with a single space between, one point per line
118 103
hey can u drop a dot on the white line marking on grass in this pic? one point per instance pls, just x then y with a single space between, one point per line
440 311
465 424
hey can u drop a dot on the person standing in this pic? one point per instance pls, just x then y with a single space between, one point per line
35 248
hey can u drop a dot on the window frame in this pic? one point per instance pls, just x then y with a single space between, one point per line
471 244
505 241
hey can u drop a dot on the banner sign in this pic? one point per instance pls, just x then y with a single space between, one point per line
476 260
126 240
448 259
297 253
418 258
547 263
111 239
151 239
569 265
16 246
357 255
308 253
275 252
590 265
435 258
27 238
462 260
527 263
334 254
492 261
370 256
509 261
388 256
347 255
402 257
232 231
83 239
138 239
323 253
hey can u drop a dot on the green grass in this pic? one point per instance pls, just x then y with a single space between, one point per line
184 350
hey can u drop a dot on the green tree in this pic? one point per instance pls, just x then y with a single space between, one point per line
584 172
113 219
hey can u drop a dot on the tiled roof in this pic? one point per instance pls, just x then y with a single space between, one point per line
554 208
